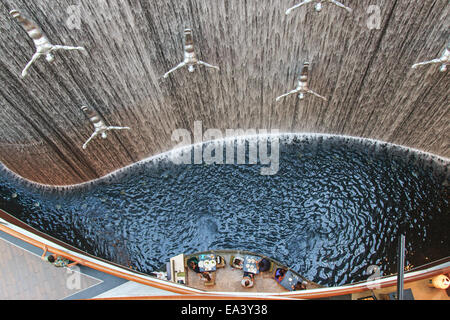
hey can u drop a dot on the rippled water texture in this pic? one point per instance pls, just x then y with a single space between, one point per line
332 210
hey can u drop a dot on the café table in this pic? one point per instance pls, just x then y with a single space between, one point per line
251 264
207 262
290 279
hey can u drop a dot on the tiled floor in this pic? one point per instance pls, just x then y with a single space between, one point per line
24 276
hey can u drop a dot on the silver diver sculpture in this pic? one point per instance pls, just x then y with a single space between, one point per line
318 7
190 57
302 87
444 59
41 42
99 125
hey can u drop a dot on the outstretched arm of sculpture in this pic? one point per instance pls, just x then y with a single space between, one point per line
174 69
288 11
317 95
33 59
118 128
287 94
58 47
341 5
207 65
444 59
426 62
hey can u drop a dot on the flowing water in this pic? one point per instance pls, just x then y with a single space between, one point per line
332 210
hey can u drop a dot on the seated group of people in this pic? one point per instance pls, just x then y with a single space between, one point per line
279 276
193 264
247 281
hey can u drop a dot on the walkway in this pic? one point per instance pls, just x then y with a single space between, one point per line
24 276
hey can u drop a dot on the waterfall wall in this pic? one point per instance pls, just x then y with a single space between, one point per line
361 62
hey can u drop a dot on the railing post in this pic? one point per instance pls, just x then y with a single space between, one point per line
401 266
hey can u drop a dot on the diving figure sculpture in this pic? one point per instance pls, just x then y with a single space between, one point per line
190 57
318 6
302 87
41 42
99 126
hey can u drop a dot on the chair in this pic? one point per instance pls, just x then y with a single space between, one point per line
181 277
213 280
272 266
220 262
275 273
232 262
188 262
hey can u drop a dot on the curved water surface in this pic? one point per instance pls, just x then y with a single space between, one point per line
332 210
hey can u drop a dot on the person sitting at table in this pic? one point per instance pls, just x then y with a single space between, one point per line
279 274
238 263
193 264
205 276
57 260
264 265
299 286
247 280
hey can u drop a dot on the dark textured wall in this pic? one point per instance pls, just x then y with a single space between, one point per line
365 74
